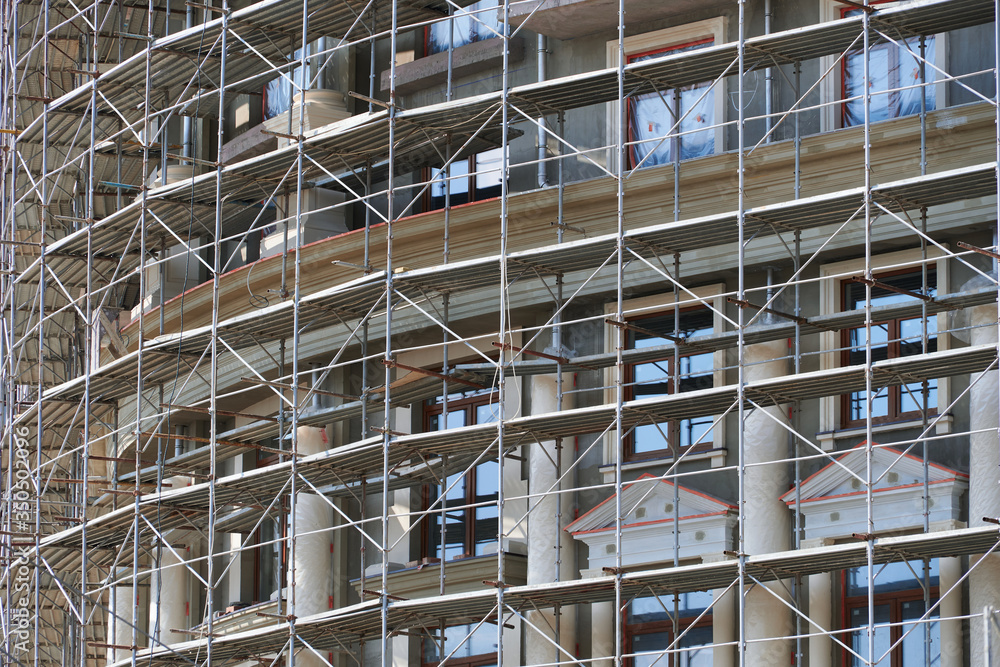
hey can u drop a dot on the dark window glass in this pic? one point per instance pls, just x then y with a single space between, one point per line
890 339
657 378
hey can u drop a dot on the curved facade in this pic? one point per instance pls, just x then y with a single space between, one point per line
520 333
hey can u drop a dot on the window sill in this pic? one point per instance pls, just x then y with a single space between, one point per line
467 59
828 439
717 457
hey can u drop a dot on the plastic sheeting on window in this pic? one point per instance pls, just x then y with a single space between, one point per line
653 127
894 82
474 23
278 92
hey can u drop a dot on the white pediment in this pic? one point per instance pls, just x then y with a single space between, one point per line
891 469
649 535
649 500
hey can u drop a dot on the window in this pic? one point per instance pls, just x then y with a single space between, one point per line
651 115
469 509
474 23
895 407
475 179
278 92
654 115
319 72
899 604
891 339
892 71
651 320
650 629
473 646
685 371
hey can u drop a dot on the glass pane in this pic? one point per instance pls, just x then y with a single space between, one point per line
697 651
891 577
455 179
645 610
483 641
911 342
488 175
692 650
923 640
912 282
454 520
487 414
859 637
648 647
654 379
487 526
455 419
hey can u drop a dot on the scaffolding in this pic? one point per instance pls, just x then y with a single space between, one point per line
227 429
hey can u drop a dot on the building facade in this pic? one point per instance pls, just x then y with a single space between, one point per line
530 332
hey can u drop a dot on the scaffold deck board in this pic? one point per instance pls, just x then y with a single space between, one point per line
364 459
364 620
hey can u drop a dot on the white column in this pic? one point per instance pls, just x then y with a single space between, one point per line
984 489
119 627
602 634
168 587
821 615
313 520
545 533
766 516
949 572
723 627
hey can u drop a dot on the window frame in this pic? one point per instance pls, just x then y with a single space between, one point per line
684 623
707 296
832 275
894 393
675 144
833 85
473 193
478 660
658 40
895 600
672 358
428 550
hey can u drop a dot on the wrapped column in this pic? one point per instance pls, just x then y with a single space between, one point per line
602 633
119 627
767 518
168 592
984 486
550 548
821 613
313 521
949 572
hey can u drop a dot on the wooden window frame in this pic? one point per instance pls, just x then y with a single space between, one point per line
672 428
674 142
895 393
432 409
893 598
